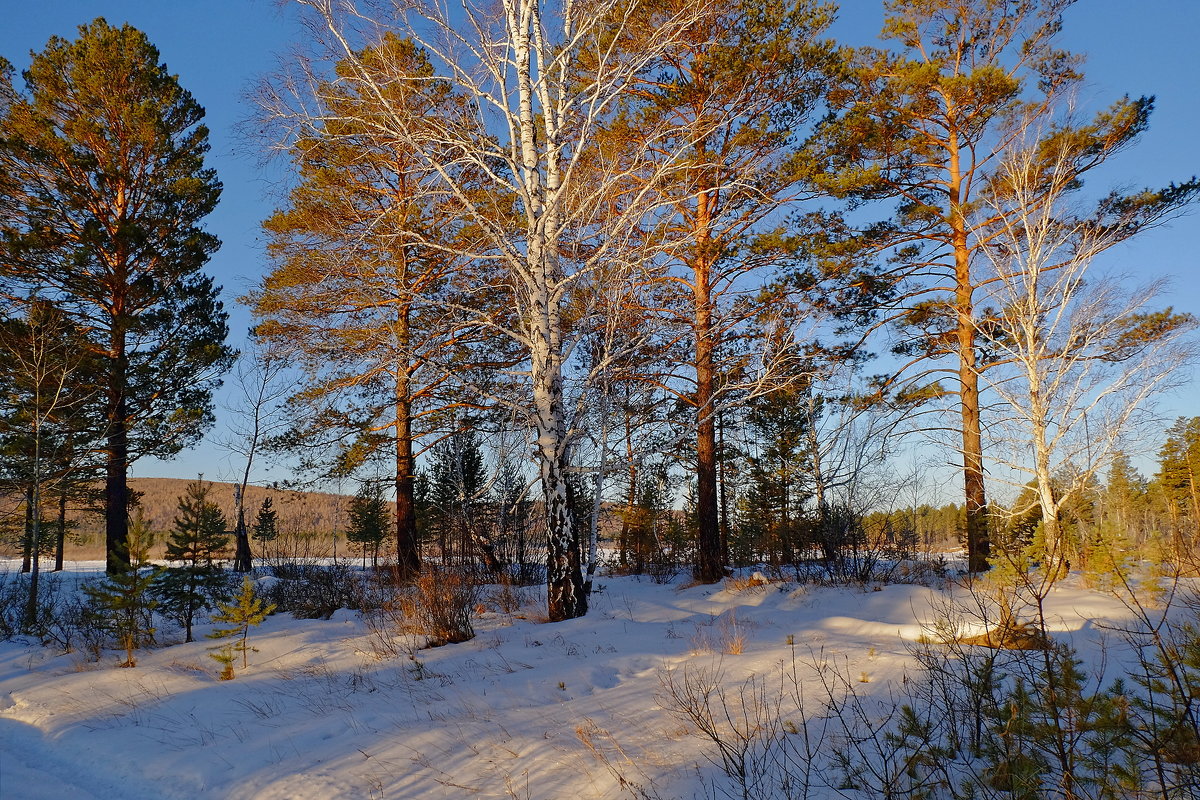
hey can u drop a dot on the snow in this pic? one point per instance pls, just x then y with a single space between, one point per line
321 712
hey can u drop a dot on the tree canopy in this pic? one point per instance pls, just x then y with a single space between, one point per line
102 155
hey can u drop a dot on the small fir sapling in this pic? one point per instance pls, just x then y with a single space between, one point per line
246 611
127 606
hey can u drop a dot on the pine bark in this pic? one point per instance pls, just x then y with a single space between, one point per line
116 486
408 558
978 542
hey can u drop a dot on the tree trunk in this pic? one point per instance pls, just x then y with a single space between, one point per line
60 543
408 559
27 539
597 496
116 487
565 596
978 540
1195 504
242 561
709 562
408 555
35 534
978 543
723 496
1054 561
628 532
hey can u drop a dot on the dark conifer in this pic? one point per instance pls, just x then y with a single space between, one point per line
195 581
369 521
266 524
102 163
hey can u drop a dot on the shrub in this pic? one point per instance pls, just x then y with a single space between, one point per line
14 606
440 606
313 591
78 624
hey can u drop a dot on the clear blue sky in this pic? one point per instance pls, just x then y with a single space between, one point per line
219 48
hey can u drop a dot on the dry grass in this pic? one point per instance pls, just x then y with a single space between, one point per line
724 634
1022 636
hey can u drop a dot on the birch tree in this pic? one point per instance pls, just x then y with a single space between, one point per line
1074 356
558 222
260 387
48 399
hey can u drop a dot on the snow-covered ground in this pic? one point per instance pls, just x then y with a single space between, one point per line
525 710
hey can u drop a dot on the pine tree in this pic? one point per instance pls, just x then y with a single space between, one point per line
364 266
780 419
732 93
456 480
934 121
246 611
103 155
648 517
514 532
1179 476
195 582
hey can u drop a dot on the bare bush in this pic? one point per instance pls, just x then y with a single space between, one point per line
312 591
438 606
760 753
505 597
441 606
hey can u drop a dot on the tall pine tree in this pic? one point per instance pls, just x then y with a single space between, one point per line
931 122
365 260
733 91
103 159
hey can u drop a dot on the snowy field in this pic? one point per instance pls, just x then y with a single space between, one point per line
525 710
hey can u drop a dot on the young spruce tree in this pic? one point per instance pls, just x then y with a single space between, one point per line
369 521
195 582
266 523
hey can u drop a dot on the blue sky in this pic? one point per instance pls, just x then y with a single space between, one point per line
220 48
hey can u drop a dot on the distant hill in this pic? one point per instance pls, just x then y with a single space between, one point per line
301 512
301 515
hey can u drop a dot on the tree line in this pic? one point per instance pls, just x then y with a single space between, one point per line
644 248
